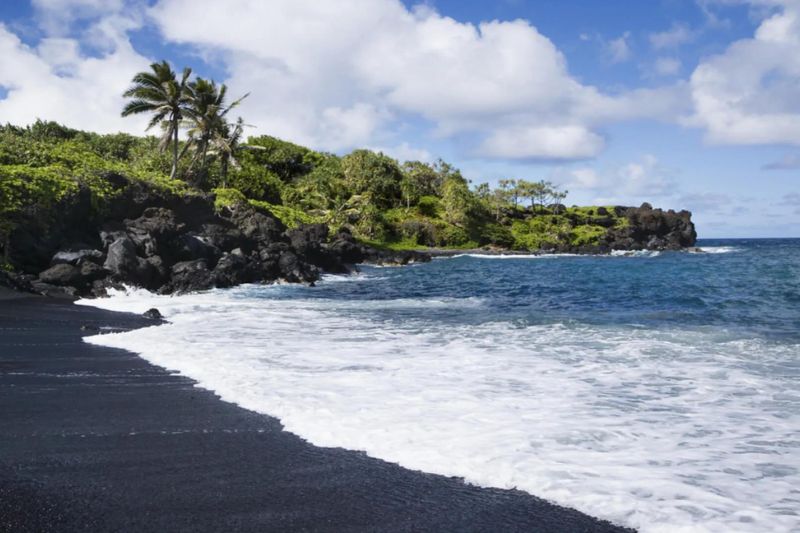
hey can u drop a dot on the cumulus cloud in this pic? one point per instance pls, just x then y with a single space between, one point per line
644 178
667 66
57 16
404 152
55 81
357 72
619 49
491 81
677 35
748 93
560 142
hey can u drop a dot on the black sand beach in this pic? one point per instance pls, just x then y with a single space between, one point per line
97 439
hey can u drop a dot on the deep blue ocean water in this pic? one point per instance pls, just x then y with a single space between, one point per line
658 390
750 286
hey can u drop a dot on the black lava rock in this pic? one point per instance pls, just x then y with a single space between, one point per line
153 314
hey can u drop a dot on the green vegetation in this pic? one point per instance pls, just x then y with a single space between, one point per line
383 202
45 163
227 197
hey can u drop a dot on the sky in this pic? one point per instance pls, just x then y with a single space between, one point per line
686 104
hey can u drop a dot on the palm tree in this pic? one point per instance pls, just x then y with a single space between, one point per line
206 117
159 92
225 142
203 117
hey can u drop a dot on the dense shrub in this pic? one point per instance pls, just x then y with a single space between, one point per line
420 232
429 206
586 235
286 160
258 183
375 175
227 197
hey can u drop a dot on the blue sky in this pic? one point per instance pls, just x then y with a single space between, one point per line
683 103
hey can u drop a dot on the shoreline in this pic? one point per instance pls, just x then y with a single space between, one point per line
491 252
98 438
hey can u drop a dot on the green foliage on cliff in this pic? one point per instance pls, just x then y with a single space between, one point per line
290 216
224 197
409 205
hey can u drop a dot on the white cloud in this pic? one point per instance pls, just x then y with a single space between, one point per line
585 178
629 183
618 49
305 60
349 126
667 66
748 93
358 72
562 142
56 16
405 152
645 176
54 81
674 37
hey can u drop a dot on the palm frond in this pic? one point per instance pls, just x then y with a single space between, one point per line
186 73
156 119
137 106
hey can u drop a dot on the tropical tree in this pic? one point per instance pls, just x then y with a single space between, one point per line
425 179
159 92
558 197
374 175
207 118
457 201
225 142
510 190
534 191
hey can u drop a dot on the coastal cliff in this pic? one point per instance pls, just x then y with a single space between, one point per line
82 212
174 243
183 242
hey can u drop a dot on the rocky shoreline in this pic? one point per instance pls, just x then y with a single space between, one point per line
176 243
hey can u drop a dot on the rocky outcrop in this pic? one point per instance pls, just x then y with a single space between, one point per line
653 229
177 243
168 243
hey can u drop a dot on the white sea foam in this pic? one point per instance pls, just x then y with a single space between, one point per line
512 256
635 253
662 430
718 249
614 253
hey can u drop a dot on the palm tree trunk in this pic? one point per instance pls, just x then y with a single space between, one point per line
224 171
205 156
6 247
174 172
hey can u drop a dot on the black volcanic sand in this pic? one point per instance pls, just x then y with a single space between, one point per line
97 439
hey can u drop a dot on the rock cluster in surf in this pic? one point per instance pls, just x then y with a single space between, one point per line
651 229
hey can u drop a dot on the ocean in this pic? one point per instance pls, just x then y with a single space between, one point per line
657 390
